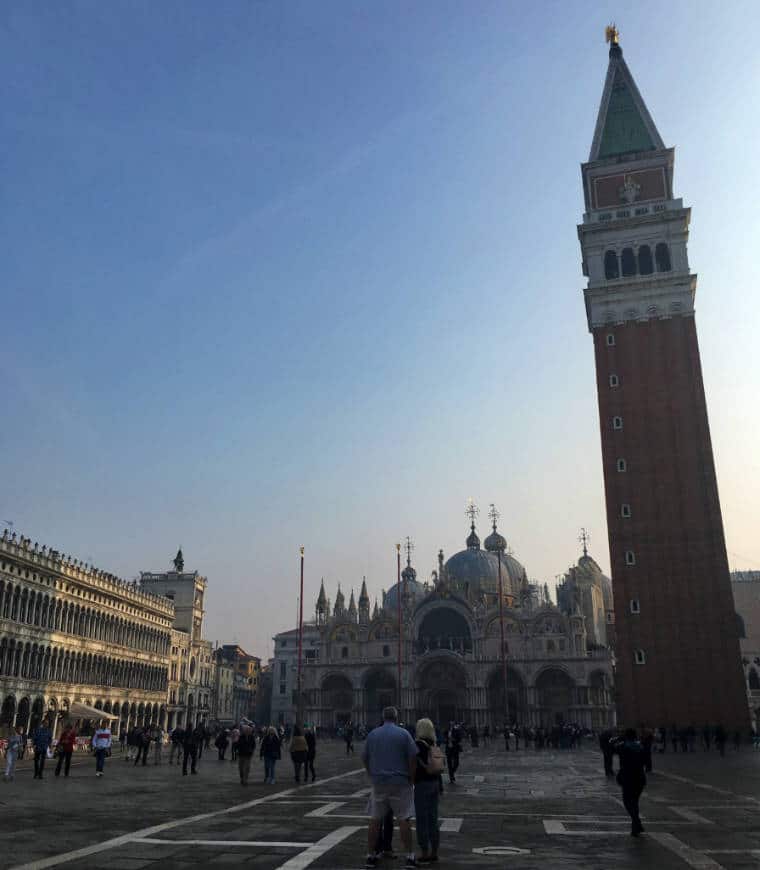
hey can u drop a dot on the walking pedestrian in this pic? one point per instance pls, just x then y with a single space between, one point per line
605 744
516 732
720 739
41 740
311 754
157 738
299 753
143 744
453 749
631 777
246 747
390 757
427 787
189 751
234 737
348 736
122 739
271 752
132 742
12 750
646 742
175 744
101 744
222 739
66 744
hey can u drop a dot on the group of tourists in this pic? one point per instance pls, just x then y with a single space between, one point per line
42 744
406 783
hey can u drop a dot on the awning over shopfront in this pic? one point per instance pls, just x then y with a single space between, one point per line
82 711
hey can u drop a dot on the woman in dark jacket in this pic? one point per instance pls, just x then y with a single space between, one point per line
427 785
270 752
311 753
221 742
631 776
299 752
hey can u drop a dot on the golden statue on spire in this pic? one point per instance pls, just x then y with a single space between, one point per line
612 34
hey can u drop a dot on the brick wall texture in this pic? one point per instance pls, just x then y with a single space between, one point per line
686 625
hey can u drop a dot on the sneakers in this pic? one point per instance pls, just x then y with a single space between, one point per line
411 861
98 773
372 861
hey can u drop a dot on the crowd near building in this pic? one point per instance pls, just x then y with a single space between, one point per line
76 641
745 586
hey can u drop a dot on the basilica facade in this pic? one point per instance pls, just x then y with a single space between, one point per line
559 657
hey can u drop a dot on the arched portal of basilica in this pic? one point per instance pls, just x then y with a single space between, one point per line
440 690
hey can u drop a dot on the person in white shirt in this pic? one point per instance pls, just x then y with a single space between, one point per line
101 744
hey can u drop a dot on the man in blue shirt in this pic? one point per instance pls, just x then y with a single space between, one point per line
390 756
41 740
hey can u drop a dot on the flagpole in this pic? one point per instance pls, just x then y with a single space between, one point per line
299 703
400 626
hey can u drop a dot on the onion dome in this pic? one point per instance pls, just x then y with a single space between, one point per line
495 543
473 541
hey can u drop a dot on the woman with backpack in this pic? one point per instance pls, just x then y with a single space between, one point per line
271 753
427 786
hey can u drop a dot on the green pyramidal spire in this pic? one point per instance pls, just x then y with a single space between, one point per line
624 125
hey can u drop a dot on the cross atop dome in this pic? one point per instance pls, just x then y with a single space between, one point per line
584 538
472 511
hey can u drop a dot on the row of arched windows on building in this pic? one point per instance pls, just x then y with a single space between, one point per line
42 610
639 262
52 664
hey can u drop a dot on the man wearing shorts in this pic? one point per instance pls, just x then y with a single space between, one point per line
390 756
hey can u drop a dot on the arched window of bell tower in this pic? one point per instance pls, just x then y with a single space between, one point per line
628 262
646 267
611 268
662 256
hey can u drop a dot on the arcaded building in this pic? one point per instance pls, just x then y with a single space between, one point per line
559 667
72 633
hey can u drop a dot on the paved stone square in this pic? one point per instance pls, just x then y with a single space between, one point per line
521 810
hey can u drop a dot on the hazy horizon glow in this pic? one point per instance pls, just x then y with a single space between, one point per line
307 274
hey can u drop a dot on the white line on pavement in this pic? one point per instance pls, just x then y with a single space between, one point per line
105 845
327 808
308 856
686 813
692 857
363 792
272 843
554 826
453 826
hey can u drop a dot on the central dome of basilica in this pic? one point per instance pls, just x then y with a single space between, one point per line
474 572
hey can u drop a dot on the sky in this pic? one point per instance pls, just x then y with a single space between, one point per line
294 273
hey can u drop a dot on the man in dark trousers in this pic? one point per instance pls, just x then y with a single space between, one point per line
605 740
42 737
143 745
631 777
453 749
189 750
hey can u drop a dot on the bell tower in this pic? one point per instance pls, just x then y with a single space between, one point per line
678 659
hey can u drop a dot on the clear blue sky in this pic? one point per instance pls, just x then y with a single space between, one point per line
307 273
